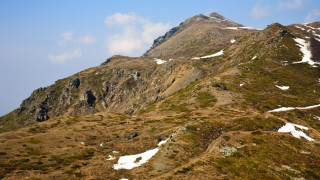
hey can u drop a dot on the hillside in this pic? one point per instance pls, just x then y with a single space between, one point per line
246 109
211 33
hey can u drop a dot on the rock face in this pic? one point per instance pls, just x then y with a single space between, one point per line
87 98
42 114
75 83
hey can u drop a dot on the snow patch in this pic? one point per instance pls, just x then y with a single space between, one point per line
217 19
291 128
311 27
232 41
304 48
115 152
292 108
210 56
283 87
317 117
163 142
160 61
111 158
239 28
254 57
130 161
300 28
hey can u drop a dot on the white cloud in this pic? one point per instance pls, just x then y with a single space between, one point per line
62 58
292 5
127 43
122 19
87 39
312 16
136 34
152 31
259 11
66 36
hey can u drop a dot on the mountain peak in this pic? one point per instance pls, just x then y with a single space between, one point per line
221 19
181 42
217 16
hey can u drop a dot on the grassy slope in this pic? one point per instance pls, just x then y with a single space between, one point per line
207 123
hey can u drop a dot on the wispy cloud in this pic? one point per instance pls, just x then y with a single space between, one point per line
66 36
87 39
136 34
62 58
291 5
312 16
121 19
260 11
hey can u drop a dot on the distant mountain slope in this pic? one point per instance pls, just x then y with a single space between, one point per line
121 84
211 33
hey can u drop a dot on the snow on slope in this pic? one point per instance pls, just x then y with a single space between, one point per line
304 48
300 28
291 128
160 61
292 108
210 56
283 87
239 28
129 161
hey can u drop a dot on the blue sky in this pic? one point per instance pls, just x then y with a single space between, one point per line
43 41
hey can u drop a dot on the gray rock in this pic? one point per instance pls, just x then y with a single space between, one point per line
228 151
42 114
87 98
105 86
135 75
128 137
285 167
120 73
106 61
75 83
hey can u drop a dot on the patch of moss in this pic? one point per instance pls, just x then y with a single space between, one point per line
257 123
34 141
205 99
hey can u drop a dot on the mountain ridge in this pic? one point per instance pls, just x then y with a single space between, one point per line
248 112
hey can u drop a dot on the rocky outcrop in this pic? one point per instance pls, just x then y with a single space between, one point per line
75 83
163 38
32 97
106 61
228 151
87 98
135 75
105 87
42 114
128 137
